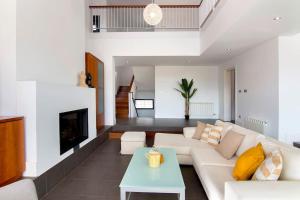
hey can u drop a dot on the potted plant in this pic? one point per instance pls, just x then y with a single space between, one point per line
187 93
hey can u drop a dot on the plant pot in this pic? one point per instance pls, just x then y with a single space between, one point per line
187 117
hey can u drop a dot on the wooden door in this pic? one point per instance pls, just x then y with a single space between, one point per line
95 67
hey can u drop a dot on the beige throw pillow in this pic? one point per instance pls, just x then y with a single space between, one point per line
271 168
230 144
199 130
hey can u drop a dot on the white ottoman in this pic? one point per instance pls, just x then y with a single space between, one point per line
130 141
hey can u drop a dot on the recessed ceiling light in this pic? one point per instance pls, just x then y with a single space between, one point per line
277 18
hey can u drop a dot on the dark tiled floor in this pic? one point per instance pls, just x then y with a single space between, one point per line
156 124
99 176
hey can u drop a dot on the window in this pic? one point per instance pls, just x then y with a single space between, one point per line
144 103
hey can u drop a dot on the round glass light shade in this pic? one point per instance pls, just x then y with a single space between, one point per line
153 14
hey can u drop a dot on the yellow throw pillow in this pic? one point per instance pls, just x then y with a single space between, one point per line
248 162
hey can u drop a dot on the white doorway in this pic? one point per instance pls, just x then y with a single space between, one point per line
229 95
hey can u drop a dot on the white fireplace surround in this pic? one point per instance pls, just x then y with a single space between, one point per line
41 104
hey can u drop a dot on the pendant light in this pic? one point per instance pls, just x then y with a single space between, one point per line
153 14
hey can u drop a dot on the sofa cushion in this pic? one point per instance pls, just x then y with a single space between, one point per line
291 164
178 142
210 157
23 189
250 139
213 179
230 144
189 132
212 135
291 158
248 162
199 130
271 168
226 126
205 134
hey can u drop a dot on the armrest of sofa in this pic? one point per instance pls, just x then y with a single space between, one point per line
24 189
189 132
261 190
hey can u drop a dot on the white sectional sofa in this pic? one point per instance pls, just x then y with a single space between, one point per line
215 172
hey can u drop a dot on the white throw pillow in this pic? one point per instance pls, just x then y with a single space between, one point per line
205 134
271 167
226 127
212 135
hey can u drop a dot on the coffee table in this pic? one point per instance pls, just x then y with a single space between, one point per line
139 177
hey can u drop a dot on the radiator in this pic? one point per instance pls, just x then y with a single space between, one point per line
202 110
255 124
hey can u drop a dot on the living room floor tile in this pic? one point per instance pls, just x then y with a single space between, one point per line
99 176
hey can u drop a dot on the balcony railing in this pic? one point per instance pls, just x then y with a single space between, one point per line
129 18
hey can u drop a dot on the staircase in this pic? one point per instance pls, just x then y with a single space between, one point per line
122 102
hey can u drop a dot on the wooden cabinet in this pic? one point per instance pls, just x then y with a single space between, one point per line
12 153
95 68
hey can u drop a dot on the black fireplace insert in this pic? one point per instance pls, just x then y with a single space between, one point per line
73 129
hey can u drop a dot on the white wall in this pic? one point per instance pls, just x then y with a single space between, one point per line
8 91
144 77
107 45
41 104
221 72
289 88
50 40
227 95
169 103
124 76
257 71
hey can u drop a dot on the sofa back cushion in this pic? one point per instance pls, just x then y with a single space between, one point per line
250 140
230 144
248 162
199 130
212 135
271 168
226 127
290 155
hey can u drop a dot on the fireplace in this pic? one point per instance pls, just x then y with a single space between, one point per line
73 129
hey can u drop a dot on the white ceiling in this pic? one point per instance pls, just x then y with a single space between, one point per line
144 2
252 29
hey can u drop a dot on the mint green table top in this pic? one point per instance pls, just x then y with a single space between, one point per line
139 175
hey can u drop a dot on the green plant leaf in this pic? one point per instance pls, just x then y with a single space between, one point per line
185 88
185 84
191 85
194 91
